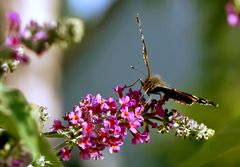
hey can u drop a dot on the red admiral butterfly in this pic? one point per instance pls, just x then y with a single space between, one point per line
154 85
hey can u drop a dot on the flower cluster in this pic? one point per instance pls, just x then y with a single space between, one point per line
98 123
233 14
38 38
185 127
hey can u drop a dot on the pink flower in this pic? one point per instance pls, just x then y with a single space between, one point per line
109 105
15 44
120 89
40 35
233 16
136 94
124 100
133 126
57 124
65 154
88 129
85 155
124 112
138 113
114 149
111 122
159 109
75 117
96 155
14 22
139 138
13 41
118 131
85 143
97 123
146 134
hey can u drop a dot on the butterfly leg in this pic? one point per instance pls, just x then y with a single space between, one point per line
138 80
149 99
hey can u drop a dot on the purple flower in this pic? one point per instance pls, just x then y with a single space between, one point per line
110 123
136 94
118 131
233 16
65 154
146 135
159 109
14 22
20 57
13 41
40 35
15 44
120 89
37 38
112 105
133 126
97 123
74 117
57 124
124 112
138 113
16 163
85 143
124 100
138 138
96 155
85 155
88 129
114 149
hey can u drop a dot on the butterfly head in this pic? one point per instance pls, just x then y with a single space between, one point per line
151 82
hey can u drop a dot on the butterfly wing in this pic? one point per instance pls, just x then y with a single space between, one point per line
182 97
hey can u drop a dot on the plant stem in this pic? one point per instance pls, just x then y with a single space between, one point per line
53 134
57 147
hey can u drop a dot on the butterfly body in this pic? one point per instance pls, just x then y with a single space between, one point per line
150 83
154 85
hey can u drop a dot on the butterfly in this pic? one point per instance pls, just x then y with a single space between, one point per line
154 85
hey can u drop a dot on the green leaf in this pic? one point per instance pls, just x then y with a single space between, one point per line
18 110
15 117
7 121
45 150
225 142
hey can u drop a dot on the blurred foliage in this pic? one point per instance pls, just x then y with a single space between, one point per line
16 119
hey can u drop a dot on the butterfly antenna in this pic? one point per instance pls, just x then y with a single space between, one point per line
144 51
139 71
138 80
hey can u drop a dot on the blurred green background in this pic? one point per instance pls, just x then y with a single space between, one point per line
190 45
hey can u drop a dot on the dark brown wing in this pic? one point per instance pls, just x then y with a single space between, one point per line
181 97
